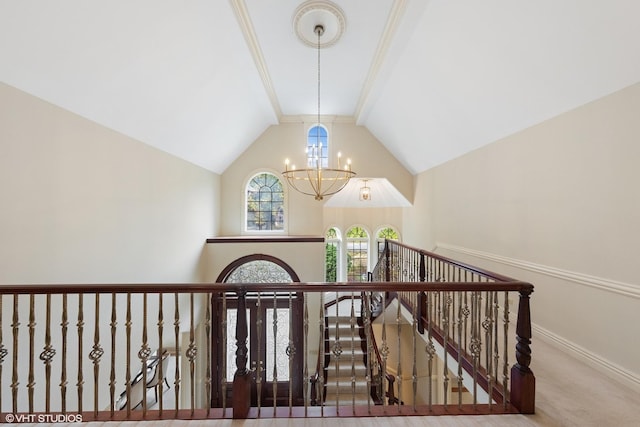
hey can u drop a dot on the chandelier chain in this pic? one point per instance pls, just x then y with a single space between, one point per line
319 29
318 181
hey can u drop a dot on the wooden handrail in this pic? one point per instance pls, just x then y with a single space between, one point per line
140 288
468 267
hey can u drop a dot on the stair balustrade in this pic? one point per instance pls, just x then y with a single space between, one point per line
72 352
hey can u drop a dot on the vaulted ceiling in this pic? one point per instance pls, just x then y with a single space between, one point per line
431 79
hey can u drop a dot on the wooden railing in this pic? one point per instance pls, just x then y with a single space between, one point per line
89 352
465 320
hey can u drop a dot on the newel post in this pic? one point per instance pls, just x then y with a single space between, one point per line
523 382
241 396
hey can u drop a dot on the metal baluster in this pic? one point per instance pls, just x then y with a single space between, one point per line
460 350
14 376
337 352
259 363
384 353
496 349
64 325
446 301
143 354
414 346
487 324
321 321
466 312
367 334
223 357
191 354
3 351
112 377
95 355
476 345
399 369
353 354
505 369
176 330
207 380
160 368
430 349
305 390
291 352
32 329
275 352
128 355
47 355
80 326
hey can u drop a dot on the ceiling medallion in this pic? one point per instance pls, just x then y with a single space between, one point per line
312 13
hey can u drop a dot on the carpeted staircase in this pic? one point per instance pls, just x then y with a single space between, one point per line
340 384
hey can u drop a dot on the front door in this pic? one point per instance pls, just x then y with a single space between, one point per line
274 343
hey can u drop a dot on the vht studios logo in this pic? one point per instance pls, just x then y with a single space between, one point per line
43 418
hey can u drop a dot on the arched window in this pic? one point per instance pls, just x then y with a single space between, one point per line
318 146
357 254
385 233
265 203
332 255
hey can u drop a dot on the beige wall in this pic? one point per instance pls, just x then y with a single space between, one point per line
287 140
557 205
82 203
305 258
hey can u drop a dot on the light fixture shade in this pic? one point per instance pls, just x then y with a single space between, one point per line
365 192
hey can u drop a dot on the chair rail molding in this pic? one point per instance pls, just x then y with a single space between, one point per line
621 288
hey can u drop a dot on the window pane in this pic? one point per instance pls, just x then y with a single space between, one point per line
357 254
265 203
331 262
317 137
277 344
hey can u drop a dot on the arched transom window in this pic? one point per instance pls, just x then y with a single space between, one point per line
318 146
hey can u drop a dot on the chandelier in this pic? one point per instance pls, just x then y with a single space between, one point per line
316 180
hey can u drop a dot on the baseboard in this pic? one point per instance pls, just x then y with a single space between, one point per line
602 365
617 287
605 366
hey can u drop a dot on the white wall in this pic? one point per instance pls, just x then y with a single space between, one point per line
556 205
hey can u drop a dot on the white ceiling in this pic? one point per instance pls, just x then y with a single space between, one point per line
431 79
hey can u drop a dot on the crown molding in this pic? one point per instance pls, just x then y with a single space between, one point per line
310 118
246 26
393 22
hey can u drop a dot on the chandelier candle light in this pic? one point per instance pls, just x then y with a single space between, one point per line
316 180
